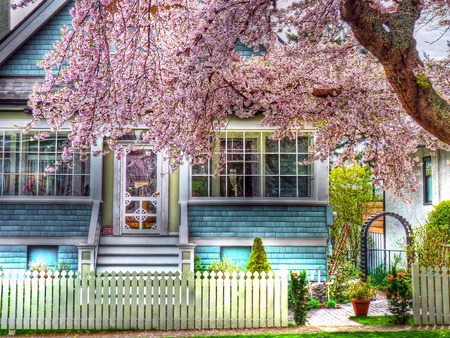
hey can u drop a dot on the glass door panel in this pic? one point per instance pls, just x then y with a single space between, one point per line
140 193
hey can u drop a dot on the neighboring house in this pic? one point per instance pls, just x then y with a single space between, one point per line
159 222
434 177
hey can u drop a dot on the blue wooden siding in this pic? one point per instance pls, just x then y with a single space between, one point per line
15 257
258 221
44 220
281 258
23 62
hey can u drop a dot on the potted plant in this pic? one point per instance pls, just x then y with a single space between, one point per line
361 293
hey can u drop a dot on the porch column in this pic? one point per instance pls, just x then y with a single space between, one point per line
186 249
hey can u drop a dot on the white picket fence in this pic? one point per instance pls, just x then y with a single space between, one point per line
162 301
431 295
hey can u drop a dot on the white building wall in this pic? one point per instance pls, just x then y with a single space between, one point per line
416 213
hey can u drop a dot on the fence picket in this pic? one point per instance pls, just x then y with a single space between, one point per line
438 295
270 299
284 299
99 280
227 301
219 298
263 300
141 305
113 300
41 301
70 301
145 301
424 294
415 274
212 301
446 298
241 301
431 293
134 301
20 289
63 301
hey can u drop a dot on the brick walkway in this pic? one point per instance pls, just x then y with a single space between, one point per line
338 317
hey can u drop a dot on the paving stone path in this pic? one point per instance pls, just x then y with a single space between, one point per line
337 317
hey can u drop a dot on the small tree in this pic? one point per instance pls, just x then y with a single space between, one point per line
399 295
297 296
258 261
432 241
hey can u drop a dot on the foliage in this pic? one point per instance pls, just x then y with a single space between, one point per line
346 271
62 265
331 304
352 197
399 294
297 293
431 240
258 261
361 290
39 266
198 265
379 278
313 304
225 265
173 69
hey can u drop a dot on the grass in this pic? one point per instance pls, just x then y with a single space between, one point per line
377 320
396 334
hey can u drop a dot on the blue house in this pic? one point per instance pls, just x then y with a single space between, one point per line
108 214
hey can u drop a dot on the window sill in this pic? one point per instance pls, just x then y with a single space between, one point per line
255 201
45 200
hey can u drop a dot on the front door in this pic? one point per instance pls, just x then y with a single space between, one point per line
140 195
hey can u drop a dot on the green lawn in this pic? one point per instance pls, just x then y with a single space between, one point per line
396 334
377 320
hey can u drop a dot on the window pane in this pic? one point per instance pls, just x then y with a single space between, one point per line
80 184
253 186
12 141
288 164
288 186
199 186
304 187
80 167
303 144
272 186
252 142
272 164
271 145
304 169
235 164
235 186
11 185
48 145
141 173
199 170
235 142
287 145
149 222
252 164
63 185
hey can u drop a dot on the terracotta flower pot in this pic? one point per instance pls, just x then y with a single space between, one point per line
360 306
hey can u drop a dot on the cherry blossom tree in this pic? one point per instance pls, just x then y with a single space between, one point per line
349 67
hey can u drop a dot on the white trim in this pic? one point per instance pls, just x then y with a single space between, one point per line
235 241
16 241
254 201
45 200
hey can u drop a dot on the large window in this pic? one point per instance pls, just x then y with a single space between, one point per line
427 181
22 164
256 166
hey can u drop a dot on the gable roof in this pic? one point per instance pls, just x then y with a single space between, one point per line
28 27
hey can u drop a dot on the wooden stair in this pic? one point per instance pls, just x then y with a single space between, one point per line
138 253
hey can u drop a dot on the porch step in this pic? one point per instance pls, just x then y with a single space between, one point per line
138 254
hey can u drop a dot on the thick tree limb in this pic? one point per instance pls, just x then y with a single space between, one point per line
395 47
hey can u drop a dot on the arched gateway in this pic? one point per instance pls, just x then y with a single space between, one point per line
365 252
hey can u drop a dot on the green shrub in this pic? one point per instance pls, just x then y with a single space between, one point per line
198 265
361 291
399 295
379 278
313 304
430 241
225 265
345 272
331 304
297 292
258 261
